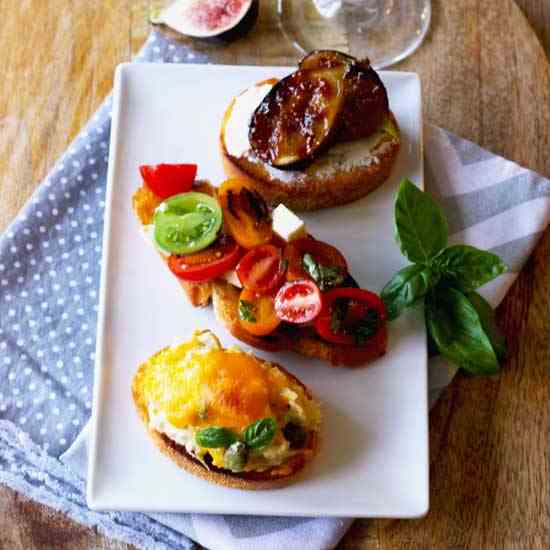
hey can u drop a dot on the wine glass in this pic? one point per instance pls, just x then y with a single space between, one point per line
385 31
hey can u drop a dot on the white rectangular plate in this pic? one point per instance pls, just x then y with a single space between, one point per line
374 456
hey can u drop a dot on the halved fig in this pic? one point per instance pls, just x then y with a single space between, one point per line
299 117
207 18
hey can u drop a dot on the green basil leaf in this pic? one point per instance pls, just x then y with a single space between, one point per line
487 318
330 277
468 267
406 287
325 276
247 311
336 318
215 437
311 267
457 331
366 327
421 228
260 433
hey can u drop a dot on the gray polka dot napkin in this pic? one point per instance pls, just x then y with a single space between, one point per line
49 283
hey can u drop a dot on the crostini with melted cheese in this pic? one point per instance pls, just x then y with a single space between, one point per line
225 415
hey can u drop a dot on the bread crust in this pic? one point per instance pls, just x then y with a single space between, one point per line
306 191
278 476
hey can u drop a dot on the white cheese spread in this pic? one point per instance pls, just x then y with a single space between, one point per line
182 436
236 129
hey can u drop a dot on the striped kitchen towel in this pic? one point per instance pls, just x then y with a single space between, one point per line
48 317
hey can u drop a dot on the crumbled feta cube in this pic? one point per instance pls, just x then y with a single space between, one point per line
287 224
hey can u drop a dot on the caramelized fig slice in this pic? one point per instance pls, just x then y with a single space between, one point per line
366 98
326 59
299 117
366 104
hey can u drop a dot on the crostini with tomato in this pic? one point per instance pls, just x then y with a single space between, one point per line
271 284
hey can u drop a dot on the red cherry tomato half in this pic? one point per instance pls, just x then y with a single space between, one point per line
261 269
362 311
207 264
166 180
298 301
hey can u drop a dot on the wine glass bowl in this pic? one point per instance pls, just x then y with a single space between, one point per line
384 31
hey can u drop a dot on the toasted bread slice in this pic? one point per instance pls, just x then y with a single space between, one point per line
225 297
343 174
274 477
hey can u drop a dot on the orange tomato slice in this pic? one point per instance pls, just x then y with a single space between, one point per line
257 313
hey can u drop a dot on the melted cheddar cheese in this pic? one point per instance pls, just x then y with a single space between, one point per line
198 384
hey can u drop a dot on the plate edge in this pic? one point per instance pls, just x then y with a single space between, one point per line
95 501
119 82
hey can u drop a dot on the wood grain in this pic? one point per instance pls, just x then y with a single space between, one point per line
538 14
486 77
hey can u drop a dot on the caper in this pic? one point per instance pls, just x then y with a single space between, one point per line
295 434
235 456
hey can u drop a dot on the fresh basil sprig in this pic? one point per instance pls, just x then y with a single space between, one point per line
421 227
456 329
487 319
406 287
459 321
468 267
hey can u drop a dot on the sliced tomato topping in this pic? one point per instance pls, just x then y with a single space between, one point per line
245 212
354 317
166 180
207 264
261 269
317 260
298 301
257 313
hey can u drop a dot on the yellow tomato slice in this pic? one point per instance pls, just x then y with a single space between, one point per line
245 213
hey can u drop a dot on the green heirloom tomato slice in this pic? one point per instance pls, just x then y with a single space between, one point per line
187 222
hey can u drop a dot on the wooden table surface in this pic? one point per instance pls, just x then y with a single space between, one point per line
485 76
